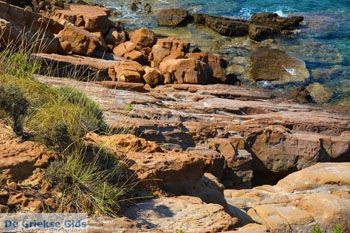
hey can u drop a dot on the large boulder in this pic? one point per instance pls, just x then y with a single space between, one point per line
76 40
128 71
182 214
129 50
315 196
224 26
168 48
90 18
186 71
173 17
216 63
278 150
273 20
275 65
143 37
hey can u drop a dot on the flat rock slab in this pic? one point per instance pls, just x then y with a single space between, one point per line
318 195
281 135
80 66
184 213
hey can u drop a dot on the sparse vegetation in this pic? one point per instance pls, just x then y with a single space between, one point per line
92 185
13 102
85 180
337 229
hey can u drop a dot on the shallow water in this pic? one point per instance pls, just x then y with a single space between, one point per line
323 43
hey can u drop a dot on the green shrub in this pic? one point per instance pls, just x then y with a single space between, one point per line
90 108
14 103
61 124
316 229
338 229
37 94
86 186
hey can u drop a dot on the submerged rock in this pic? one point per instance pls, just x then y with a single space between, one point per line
222 25
173 17
277 66
319 93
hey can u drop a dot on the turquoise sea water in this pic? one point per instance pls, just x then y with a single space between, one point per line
324 43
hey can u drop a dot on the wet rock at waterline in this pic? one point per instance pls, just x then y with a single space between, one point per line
173 17
277 66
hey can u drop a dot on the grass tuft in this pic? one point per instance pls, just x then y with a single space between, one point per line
96 185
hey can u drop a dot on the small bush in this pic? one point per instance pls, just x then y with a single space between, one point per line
13 102
60 124
85 186
316 229
338 229
90 108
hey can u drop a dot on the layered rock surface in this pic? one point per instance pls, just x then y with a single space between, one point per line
315 196
281 136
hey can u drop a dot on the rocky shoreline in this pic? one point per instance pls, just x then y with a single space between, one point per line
217 155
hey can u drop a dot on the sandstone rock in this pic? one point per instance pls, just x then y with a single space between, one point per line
124 48
216 63
129 71
317 195
173 17
152 76
168 48
19 157
121 142
80 66
114 37
259 33
208 189
319 175
184 213
281 151
91 18
186 71
276 65
319 93
273 20
222 25
76 40
129 51
20 26
172 172
143 37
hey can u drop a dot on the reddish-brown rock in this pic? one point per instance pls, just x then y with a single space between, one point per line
186 71
114 37
20 158
216 63
173 17
152 76
129 71
168 48
143 37
91 18
76 40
